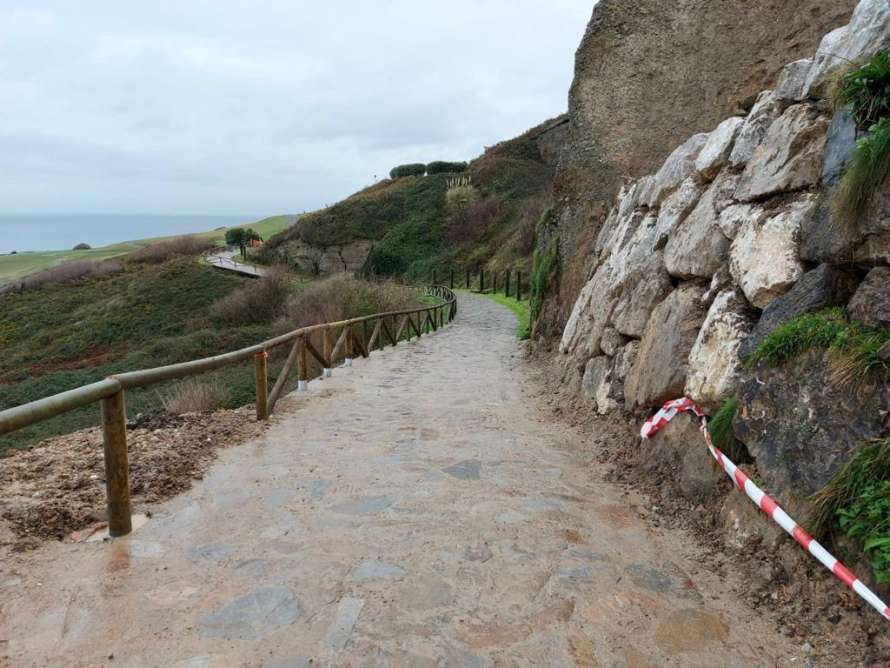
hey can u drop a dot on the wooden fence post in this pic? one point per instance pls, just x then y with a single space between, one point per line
302 367
481 280
434 276
519 285
261 367
451 284
507 286
348 345
326 353
117 470
468 279
494 283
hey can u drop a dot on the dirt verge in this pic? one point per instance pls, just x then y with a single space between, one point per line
777 578
58 486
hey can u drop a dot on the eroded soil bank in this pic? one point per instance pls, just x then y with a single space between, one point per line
421 508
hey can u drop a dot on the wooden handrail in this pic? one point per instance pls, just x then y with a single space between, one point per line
111 390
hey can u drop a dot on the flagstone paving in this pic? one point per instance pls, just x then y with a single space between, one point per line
415 510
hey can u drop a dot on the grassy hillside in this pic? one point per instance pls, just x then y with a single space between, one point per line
14 267
64 336
420 223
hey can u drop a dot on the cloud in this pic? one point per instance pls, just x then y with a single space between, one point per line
266 107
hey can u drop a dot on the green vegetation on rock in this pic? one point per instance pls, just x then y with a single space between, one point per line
722 435
865 93
856 344
857 502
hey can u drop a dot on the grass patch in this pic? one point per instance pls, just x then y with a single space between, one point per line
544 268
857 502
864 92
855 345
865 173
722 435
520 308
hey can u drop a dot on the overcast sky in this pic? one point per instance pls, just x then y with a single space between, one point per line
261 107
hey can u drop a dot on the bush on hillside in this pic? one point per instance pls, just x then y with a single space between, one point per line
468 223
167 250
441 167
413 169
260 301
342 297
82 246
69 272
195 396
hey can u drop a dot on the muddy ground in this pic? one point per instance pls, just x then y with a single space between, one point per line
779 580
57 487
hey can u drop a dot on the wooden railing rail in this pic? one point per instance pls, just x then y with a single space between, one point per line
353 338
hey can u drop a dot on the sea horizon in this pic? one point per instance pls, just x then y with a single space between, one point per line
36 232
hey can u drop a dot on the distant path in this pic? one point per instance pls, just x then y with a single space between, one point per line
417 509
226 260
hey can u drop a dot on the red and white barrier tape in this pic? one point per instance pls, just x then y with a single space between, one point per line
765 502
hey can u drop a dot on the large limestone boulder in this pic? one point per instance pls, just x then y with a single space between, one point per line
764 256
792 86
765 110
801 425
659 372
840 144
698 247
871 303
818 289
790 156
735 217
715 153
679 166
675 208
715 368
641 296
590 315
867 33
828 237
595 372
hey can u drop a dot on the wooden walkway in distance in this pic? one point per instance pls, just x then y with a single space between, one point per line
226 260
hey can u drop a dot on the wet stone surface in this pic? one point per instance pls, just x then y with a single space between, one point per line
390 518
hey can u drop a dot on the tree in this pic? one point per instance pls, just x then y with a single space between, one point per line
238 236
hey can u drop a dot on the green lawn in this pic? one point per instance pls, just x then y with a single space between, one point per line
15 267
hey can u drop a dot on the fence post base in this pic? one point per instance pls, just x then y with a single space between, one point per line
117 470
328 373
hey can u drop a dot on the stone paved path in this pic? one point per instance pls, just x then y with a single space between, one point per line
415 510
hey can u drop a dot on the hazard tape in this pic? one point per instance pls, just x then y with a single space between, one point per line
763 501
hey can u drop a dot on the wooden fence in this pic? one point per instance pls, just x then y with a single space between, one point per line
509 282
325 343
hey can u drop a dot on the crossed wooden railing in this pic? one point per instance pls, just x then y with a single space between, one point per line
346 337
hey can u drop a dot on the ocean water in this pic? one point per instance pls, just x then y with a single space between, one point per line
62 231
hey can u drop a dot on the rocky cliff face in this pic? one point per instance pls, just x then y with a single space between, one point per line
726 239
648 75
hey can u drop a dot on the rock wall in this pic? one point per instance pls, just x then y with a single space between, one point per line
726 239
650 73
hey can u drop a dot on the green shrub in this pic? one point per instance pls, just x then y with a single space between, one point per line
856 344
545 265
866 90
413 169
857 501
440 167
257 302
722 435
865 173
